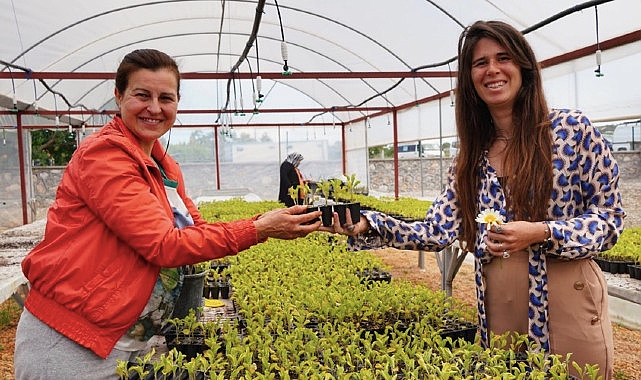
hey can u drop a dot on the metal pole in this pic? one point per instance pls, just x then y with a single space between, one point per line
421 260
21 160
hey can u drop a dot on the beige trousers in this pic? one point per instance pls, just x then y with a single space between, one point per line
578 307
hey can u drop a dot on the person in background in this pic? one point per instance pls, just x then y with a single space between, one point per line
105 276
533 194
290 177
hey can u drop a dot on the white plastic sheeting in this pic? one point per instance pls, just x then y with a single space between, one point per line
208 36
350 64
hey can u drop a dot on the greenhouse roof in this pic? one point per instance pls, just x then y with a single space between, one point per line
344 59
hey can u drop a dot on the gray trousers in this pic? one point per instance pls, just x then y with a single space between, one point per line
43 353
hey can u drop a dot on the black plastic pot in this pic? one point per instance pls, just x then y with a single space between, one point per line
354 210
327 215
224 288
634 271
191 295
311 209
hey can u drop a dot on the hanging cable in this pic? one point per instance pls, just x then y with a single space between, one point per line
233 81
55 107
254 96
598 46
248 45
259 79
35 97
13 87
283 43
242 102
549 20
83 126
70 125
451 86
42 81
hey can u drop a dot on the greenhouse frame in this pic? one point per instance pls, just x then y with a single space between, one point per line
262 79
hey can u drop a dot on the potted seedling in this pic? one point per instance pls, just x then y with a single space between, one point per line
308 197
191 293
351 183
186 334
326 209
344 191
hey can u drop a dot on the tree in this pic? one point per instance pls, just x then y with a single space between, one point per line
52 147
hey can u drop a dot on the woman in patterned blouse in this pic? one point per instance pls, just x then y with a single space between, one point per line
554 183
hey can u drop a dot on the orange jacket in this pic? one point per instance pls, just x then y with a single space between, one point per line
108 233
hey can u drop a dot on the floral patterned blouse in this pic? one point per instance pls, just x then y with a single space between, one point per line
584 215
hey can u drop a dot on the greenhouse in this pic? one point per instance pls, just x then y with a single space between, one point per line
342 82
142 218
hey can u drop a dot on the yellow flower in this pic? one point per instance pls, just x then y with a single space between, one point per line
489 217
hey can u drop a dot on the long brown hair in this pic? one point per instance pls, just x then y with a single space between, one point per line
529 156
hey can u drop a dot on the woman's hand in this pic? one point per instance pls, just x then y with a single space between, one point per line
348 228
505 239
287 223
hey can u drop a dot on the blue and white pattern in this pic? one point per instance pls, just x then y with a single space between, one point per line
585 216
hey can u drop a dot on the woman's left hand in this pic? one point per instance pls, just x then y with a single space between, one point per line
348 228
505 239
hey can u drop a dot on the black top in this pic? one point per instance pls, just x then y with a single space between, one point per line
288 178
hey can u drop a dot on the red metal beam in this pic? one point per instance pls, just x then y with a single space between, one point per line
588 50
242 75
605 45
579 53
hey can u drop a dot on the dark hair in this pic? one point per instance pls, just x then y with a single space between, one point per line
529 154
150 59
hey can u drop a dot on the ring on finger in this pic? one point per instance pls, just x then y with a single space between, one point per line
350 228
499 230
506 255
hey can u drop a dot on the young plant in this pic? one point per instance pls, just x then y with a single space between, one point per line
351 183
293 193
325 188
337 187
305 191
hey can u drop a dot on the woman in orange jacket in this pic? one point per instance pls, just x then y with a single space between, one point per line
118 230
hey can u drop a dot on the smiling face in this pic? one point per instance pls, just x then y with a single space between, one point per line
496 77
149 104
